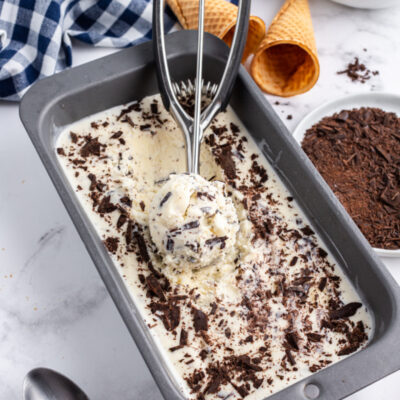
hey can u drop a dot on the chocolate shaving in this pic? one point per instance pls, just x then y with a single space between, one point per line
357 71
224 158
168 313
74 137
345 312
183 340
116 135
126 200
290 357
208 196
145 127
307 231
293 261
121 220
154 108
165 199
128 119
245 362
190 225
170 244
217 240
291 339
132 107
200 320
111 244
314 337
106 206
92 147
302 280
154 286
322 284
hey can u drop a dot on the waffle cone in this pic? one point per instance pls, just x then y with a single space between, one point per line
220 20
286 62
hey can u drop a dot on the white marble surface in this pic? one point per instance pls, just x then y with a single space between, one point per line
54 309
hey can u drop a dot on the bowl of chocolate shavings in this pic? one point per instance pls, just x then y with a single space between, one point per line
354 143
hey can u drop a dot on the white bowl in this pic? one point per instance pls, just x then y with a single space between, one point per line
385 101
372 4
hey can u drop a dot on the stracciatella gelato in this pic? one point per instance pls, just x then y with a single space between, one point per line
193 222
273 306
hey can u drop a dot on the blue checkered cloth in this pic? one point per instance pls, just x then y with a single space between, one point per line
35 35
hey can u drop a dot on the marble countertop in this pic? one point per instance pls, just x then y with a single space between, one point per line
54 309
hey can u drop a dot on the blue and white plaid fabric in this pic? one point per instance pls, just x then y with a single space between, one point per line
35 35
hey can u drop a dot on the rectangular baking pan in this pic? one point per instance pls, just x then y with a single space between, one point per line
130 75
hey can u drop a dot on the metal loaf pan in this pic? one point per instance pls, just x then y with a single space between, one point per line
129 75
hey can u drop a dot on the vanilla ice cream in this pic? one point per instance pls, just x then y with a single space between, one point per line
193 222
239 293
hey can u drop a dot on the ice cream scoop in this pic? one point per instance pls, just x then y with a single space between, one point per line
193 222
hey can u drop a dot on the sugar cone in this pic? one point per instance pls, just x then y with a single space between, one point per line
286 62
220 20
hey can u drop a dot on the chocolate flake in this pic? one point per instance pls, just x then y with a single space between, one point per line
92 147
322 284
357 71
345 312
133 107
200 320
217 241
170 244
111 244
145 127
245 362
307 231
126 200
121 220
190 225
290 357
116 135
183 340
74 137
165 199
154 286
106 206
293 261
314 337
291 339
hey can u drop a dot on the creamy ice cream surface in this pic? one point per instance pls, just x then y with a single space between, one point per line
250 300
193 222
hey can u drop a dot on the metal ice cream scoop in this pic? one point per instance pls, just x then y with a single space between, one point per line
46 384
193 128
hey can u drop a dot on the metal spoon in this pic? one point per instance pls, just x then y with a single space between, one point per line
46 384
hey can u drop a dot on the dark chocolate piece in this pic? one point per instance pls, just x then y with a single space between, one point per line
165 199
345 312
200 320
190 225
106 206
154 286
112 244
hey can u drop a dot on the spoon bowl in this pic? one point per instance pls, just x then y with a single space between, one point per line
46 384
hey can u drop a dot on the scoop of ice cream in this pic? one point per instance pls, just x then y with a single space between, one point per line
193 222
